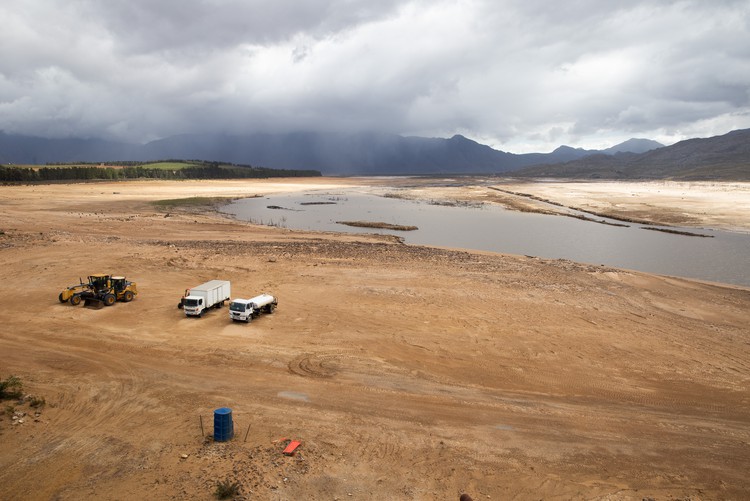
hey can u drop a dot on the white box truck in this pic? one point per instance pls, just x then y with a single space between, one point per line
244 310
212 294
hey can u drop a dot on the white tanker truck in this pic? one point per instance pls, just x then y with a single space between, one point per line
246 309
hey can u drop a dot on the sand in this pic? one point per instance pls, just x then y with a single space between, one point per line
406 372
719 205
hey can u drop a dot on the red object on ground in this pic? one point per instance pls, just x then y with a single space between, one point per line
292 447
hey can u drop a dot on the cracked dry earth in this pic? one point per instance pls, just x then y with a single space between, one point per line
406 372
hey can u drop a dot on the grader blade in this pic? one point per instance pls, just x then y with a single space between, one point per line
93 303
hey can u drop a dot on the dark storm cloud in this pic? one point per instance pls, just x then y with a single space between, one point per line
145 26
519 75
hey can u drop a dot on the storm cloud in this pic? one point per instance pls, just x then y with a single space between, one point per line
519 75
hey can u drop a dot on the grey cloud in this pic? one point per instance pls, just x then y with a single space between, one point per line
204 25
516 73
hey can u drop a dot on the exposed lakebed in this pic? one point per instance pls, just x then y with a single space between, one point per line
725 257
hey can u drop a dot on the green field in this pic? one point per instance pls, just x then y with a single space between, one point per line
169 165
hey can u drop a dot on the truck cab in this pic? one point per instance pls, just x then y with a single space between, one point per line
193 305
241 310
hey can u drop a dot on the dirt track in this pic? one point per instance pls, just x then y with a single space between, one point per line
406 372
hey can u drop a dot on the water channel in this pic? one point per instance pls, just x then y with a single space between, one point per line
724 257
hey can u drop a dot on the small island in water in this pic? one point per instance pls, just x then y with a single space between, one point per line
375 224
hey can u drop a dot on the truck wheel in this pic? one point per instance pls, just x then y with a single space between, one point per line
60 298
128 296
75 300
109 299
179 305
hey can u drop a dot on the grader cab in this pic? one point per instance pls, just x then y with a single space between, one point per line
124 290
100 293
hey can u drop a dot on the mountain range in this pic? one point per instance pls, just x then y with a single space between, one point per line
391 154
724 157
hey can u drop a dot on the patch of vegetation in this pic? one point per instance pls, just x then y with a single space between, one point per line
37 402
375 224
592 220
677 232
392 194
281 223
165 169
191 202
455 203
226 489
11 387
173 165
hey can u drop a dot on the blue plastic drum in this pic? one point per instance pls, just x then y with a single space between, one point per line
223 425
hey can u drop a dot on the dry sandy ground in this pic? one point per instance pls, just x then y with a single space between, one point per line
406 372
672 203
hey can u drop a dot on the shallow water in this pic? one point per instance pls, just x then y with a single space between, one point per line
723 258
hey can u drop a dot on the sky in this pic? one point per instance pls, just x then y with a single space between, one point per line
519 75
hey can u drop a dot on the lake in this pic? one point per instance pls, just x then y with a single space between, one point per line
723 258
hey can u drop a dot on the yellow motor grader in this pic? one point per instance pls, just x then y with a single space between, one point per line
101 290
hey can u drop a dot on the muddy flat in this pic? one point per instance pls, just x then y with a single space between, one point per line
406 372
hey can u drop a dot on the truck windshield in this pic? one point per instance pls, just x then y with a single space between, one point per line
192 302
237 307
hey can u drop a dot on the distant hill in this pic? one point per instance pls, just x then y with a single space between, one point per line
343 154
722 157
634 145
353 154
331 153
20 149
719 157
